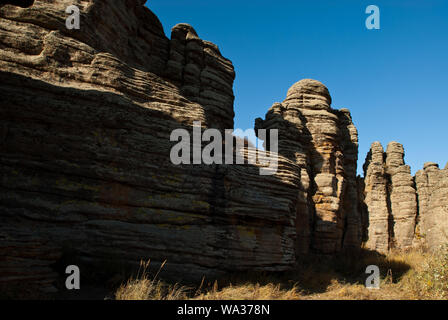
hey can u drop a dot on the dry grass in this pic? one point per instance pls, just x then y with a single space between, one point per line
428 279
411 275
404 276
251 291
143 287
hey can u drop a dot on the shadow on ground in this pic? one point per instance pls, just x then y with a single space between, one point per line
315 273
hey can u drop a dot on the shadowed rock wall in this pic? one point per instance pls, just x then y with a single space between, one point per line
86 117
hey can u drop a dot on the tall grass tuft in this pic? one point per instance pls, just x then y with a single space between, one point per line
145 287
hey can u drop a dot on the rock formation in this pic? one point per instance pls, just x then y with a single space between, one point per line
390 198
323 142
402 211
402 193
375 197
432 190
85 170
85 151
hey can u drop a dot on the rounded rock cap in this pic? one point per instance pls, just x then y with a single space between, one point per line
395 146
309 88
376 146
183 31
430 166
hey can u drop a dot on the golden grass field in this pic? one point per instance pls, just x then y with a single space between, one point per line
410 275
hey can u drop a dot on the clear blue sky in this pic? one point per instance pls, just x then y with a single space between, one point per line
393 80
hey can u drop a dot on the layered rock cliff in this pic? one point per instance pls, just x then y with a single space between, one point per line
86 175
323 142
86 117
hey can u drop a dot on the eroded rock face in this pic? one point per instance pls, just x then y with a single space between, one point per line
86 117
402 193
85 170
432 190
390 198
402 211
323 142
375 197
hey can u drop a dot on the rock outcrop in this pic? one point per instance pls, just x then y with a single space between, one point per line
86 117
376 199
432 190
323 142
402 193
402 211
390 198
86 175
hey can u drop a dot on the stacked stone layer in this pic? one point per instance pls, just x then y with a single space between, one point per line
399 210
323 142
390 198
432 190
